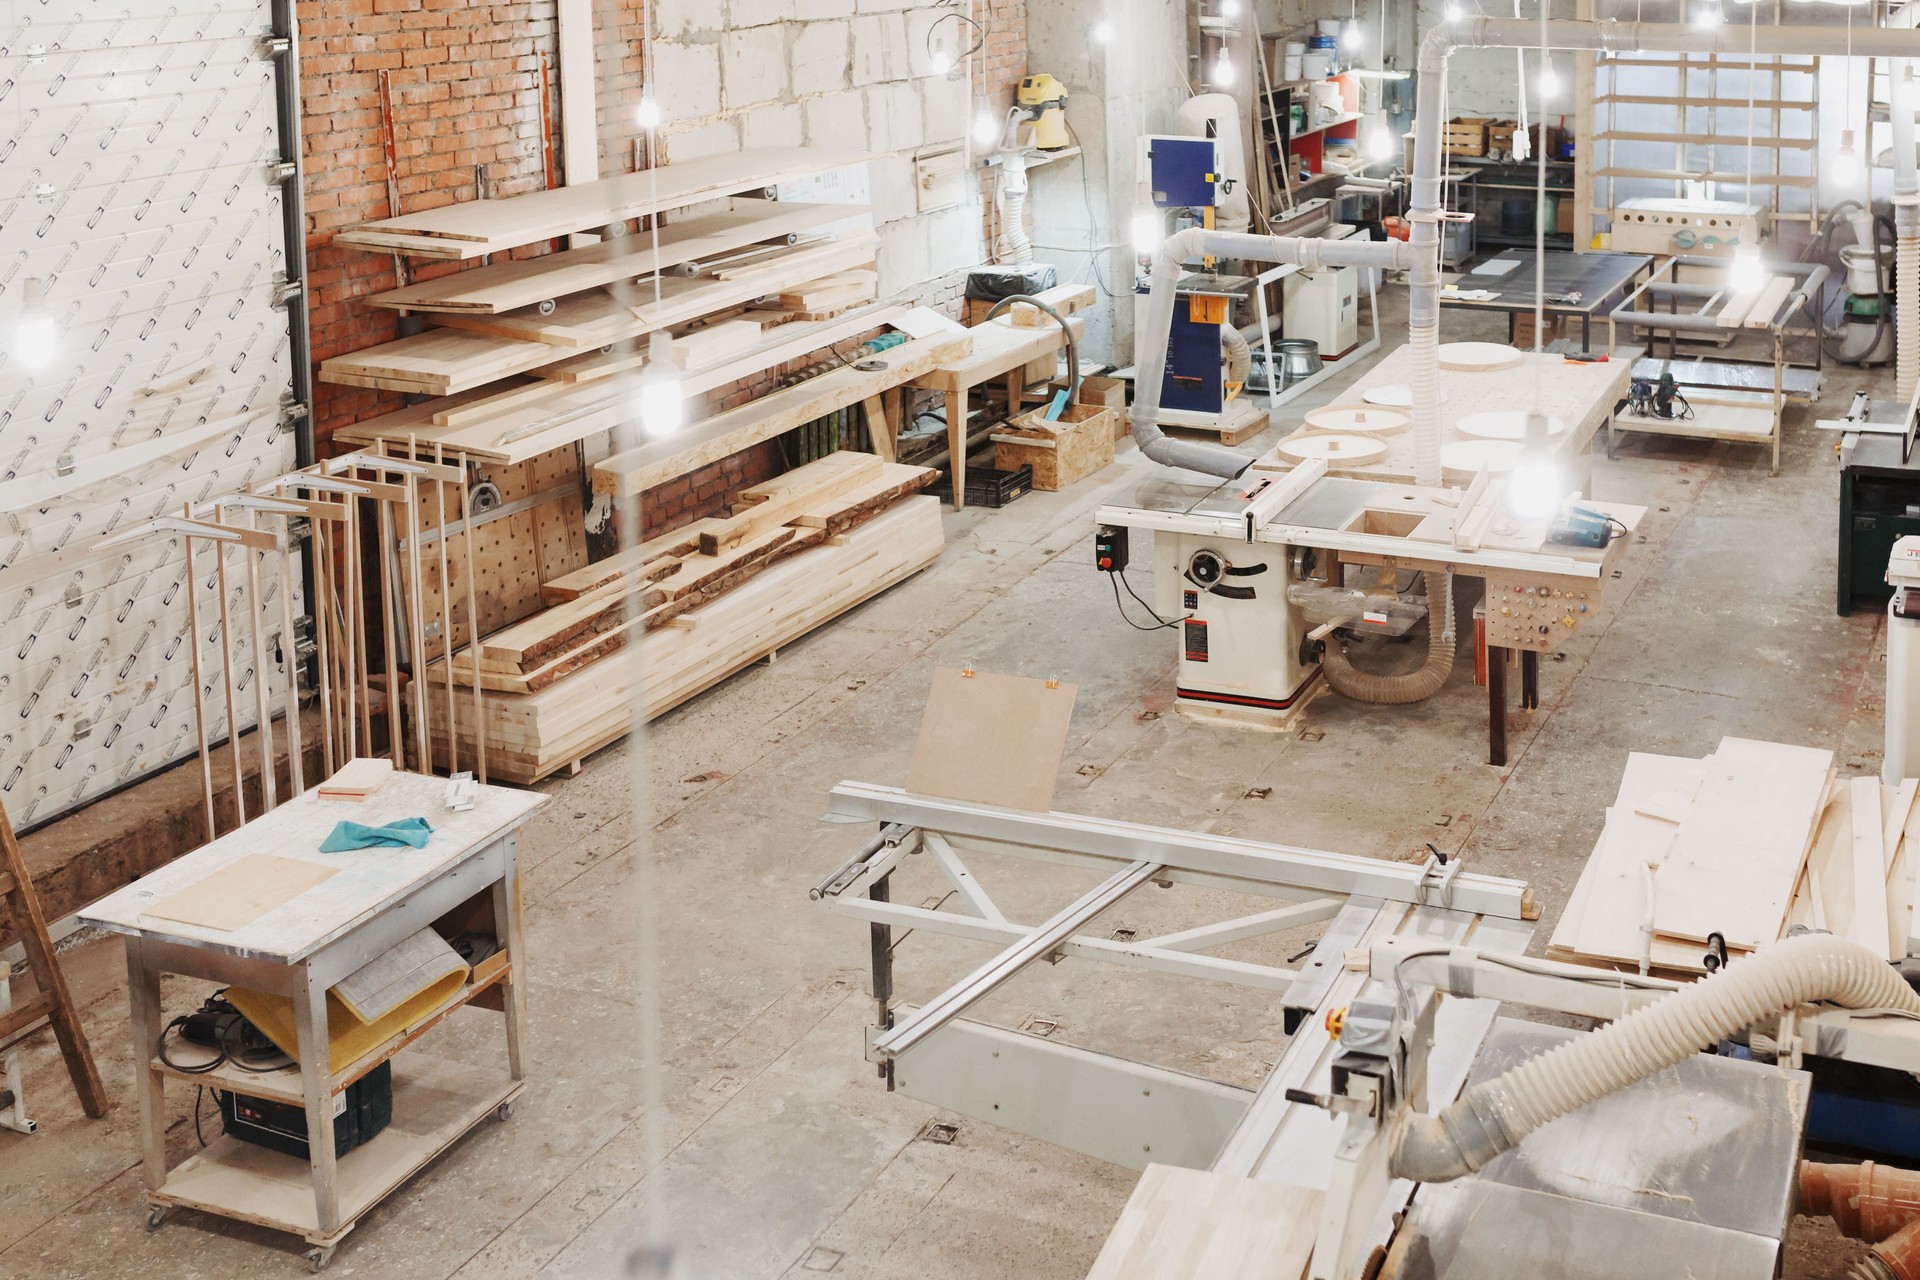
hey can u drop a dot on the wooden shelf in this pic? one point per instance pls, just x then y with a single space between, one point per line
434 1104
285 1086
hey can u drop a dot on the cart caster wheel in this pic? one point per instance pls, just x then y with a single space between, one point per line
154 1218
317 1259
503 1112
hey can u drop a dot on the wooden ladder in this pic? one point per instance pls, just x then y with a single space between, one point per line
51 999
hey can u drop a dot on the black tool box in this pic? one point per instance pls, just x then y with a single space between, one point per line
361 1110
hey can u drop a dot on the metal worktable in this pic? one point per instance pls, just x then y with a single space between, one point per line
302 948
1581 285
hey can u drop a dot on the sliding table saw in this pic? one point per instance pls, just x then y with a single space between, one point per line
1386 1016
1254 570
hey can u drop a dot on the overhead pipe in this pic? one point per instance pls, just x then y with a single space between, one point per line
1308 252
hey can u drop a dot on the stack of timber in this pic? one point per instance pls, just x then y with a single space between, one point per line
1747 843
691 607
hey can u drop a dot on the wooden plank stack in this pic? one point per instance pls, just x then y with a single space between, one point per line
699 603
1753 840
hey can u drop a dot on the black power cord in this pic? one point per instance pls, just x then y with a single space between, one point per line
1159 623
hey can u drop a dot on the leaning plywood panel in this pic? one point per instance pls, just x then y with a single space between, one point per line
532 735
478 227
1737 856
1189 1224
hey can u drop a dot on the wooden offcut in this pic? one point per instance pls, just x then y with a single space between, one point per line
991 739
1191 1224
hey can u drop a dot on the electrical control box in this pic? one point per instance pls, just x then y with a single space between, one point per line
1538 611
360 1112
1110 548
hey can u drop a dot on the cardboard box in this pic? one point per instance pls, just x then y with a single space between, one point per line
1557 139
1077 444
1467 136
1552 330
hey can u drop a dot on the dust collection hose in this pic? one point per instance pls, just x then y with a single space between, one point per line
1414 686
1495 1115
1073 348
1238 355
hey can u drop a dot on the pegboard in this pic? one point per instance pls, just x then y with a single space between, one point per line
133 185
1538 611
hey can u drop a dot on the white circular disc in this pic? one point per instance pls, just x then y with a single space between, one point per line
1478 357
1393 395
1344 449
1364 418
1504 424
1465 457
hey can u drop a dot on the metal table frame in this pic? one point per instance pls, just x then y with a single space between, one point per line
1641 311
1522 301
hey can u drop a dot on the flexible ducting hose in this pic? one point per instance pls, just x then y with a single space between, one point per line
1495 1115
1073 348
1414 686
1019 246
1239 355
1906 286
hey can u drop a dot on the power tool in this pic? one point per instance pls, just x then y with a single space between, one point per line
1649 399
1042 101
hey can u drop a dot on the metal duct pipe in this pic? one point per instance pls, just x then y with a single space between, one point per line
1906 218
1307 251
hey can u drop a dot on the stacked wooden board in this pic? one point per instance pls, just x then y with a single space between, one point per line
692 601
1747 843
531 735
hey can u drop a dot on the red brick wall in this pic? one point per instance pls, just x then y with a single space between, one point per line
998 69
466 91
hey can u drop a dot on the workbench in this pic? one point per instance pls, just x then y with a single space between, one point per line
302 948
1581 395
1577 286
1000 350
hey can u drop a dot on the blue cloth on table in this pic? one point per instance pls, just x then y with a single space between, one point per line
413 832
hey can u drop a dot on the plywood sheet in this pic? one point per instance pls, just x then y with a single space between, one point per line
1738 855
523 282
991 739
1187 1224
241 892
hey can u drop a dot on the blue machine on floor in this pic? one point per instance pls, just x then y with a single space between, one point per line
1183 181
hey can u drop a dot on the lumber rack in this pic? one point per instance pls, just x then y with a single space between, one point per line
1726 405
1109 1105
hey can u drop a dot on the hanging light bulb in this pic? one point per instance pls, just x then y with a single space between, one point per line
1454 12
1229 9
1147 232
1846 161
986 128
1223 68
663 408
35 337
941 61
1744 272
1549 80
1352 37
1533 486
1380 142
646 113
1103 32
1706 17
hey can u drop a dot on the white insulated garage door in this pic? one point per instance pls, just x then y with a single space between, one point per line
134 191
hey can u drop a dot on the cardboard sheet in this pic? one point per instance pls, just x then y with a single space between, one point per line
991 739
241 892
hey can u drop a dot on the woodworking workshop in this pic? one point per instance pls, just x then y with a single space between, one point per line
890 639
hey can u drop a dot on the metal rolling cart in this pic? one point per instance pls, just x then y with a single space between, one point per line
1738 400
300 949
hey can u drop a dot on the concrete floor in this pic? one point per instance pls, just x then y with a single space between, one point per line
772 1150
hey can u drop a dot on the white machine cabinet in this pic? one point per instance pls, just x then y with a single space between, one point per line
1903 663
1324 306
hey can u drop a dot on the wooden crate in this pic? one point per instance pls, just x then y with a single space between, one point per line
1467 136
1077 444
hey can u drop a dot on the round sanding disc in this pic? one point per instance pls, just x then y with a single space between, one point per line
1366 419
1345 450
1504 424
1478 357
